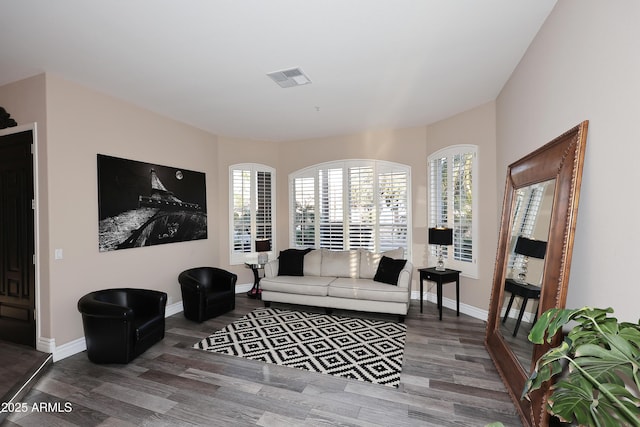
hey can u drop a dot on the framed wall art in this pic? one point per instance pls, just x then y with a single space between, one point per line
143 204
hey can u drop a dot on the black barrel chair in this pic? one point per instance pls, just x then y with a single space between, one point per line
207 292
121 324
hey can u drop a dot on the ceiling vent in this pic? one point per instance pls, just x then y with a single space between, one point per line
290 78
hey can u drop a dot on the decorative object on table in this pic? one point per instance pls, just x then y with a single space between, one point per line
262 247
528 248
360 349
142 204
5 119
121 324
598 363
207 292
440 236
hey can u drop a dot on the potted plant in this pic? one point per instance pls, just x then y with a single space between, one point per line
598 365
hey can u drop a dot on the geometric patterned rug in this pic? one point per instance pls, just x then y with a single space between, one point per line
360 349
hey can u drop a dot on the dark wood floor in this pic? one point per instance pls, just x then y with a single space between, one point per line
18 364
447 379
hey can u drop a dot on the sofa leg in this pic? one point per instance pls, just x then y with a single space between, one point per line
401 318
267 304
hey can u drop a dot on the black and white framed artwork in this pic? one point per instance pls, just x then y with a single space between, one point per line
142 204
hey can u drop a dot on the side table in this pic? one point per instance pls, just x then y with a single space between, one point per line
255 291
440 277
526 291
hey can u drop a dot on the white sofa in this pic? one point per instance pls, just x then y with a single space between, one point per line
341 280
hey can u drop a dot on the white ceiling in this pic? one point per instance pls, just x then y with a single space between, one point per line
373 63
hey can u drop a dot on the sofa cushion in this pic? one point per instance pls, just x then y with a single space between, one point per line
369 261
389 269
307 285
366 289
340 263
291 262
312 263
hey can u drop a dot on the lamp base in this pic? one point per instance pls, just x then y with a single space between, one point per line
440 262
263 258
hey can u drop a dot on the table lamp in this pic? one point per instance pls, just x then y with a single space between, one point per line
529 248
262 247
440 236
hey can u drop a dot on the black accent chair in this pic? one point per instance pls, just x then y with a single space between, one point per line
207 292
121 324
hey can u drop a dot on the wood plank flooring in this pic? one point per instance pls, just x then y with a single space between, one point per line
447 379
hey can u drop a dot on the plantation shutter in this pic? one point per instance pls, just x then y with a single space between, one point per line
242 210
393 209
304 212
463 207
264 218
331 209
351 204
361 210
527 205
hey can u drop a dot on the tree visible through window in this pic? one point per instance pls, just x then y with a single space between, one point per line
452 199
351 204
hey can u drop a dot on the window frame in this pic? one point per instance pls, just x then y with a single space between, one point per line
467 268
238 257
379 168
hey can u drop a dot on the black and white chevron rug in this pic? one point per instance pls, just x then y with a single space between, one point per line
361 349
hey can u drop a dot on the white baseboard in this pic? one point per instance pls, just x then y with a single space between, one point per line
172 309
46 345
69 349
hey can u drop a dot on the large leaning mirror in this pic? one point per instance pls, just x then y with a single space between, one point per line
533 260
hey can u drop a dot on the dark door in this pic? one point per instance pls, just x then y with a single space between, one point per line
17 269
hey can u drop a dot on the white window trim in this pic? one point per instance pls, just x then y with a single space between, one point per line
312 171
468 269
236 258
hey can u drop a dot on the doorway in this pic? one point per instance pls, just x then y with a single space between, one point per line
17 238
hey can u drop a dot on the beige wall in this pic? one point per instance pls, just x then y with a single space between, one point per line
80 124
477 127
583 64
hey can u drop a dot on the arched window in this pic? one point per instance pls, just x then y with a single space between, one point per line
453 189
351 204
252 209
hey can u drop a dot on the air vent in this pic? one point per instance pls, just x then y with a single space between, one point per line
290 78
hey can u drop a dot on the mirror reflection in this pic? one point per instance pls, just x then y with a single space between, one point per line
526 257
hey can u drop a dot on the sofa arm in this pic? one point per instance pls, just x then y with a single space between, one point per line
271 268
404 279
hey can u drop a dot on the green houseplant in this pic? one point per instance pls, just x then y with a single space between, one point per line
597 365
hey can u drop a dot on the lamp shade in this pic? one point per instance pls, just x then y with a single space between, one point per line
440 236
263 245
531 248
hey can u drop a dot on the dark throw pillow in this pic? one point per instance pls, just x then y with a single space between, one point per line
291 262
389 270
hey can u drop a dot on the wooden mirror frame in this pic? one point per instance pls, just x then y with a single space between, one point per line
561 159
